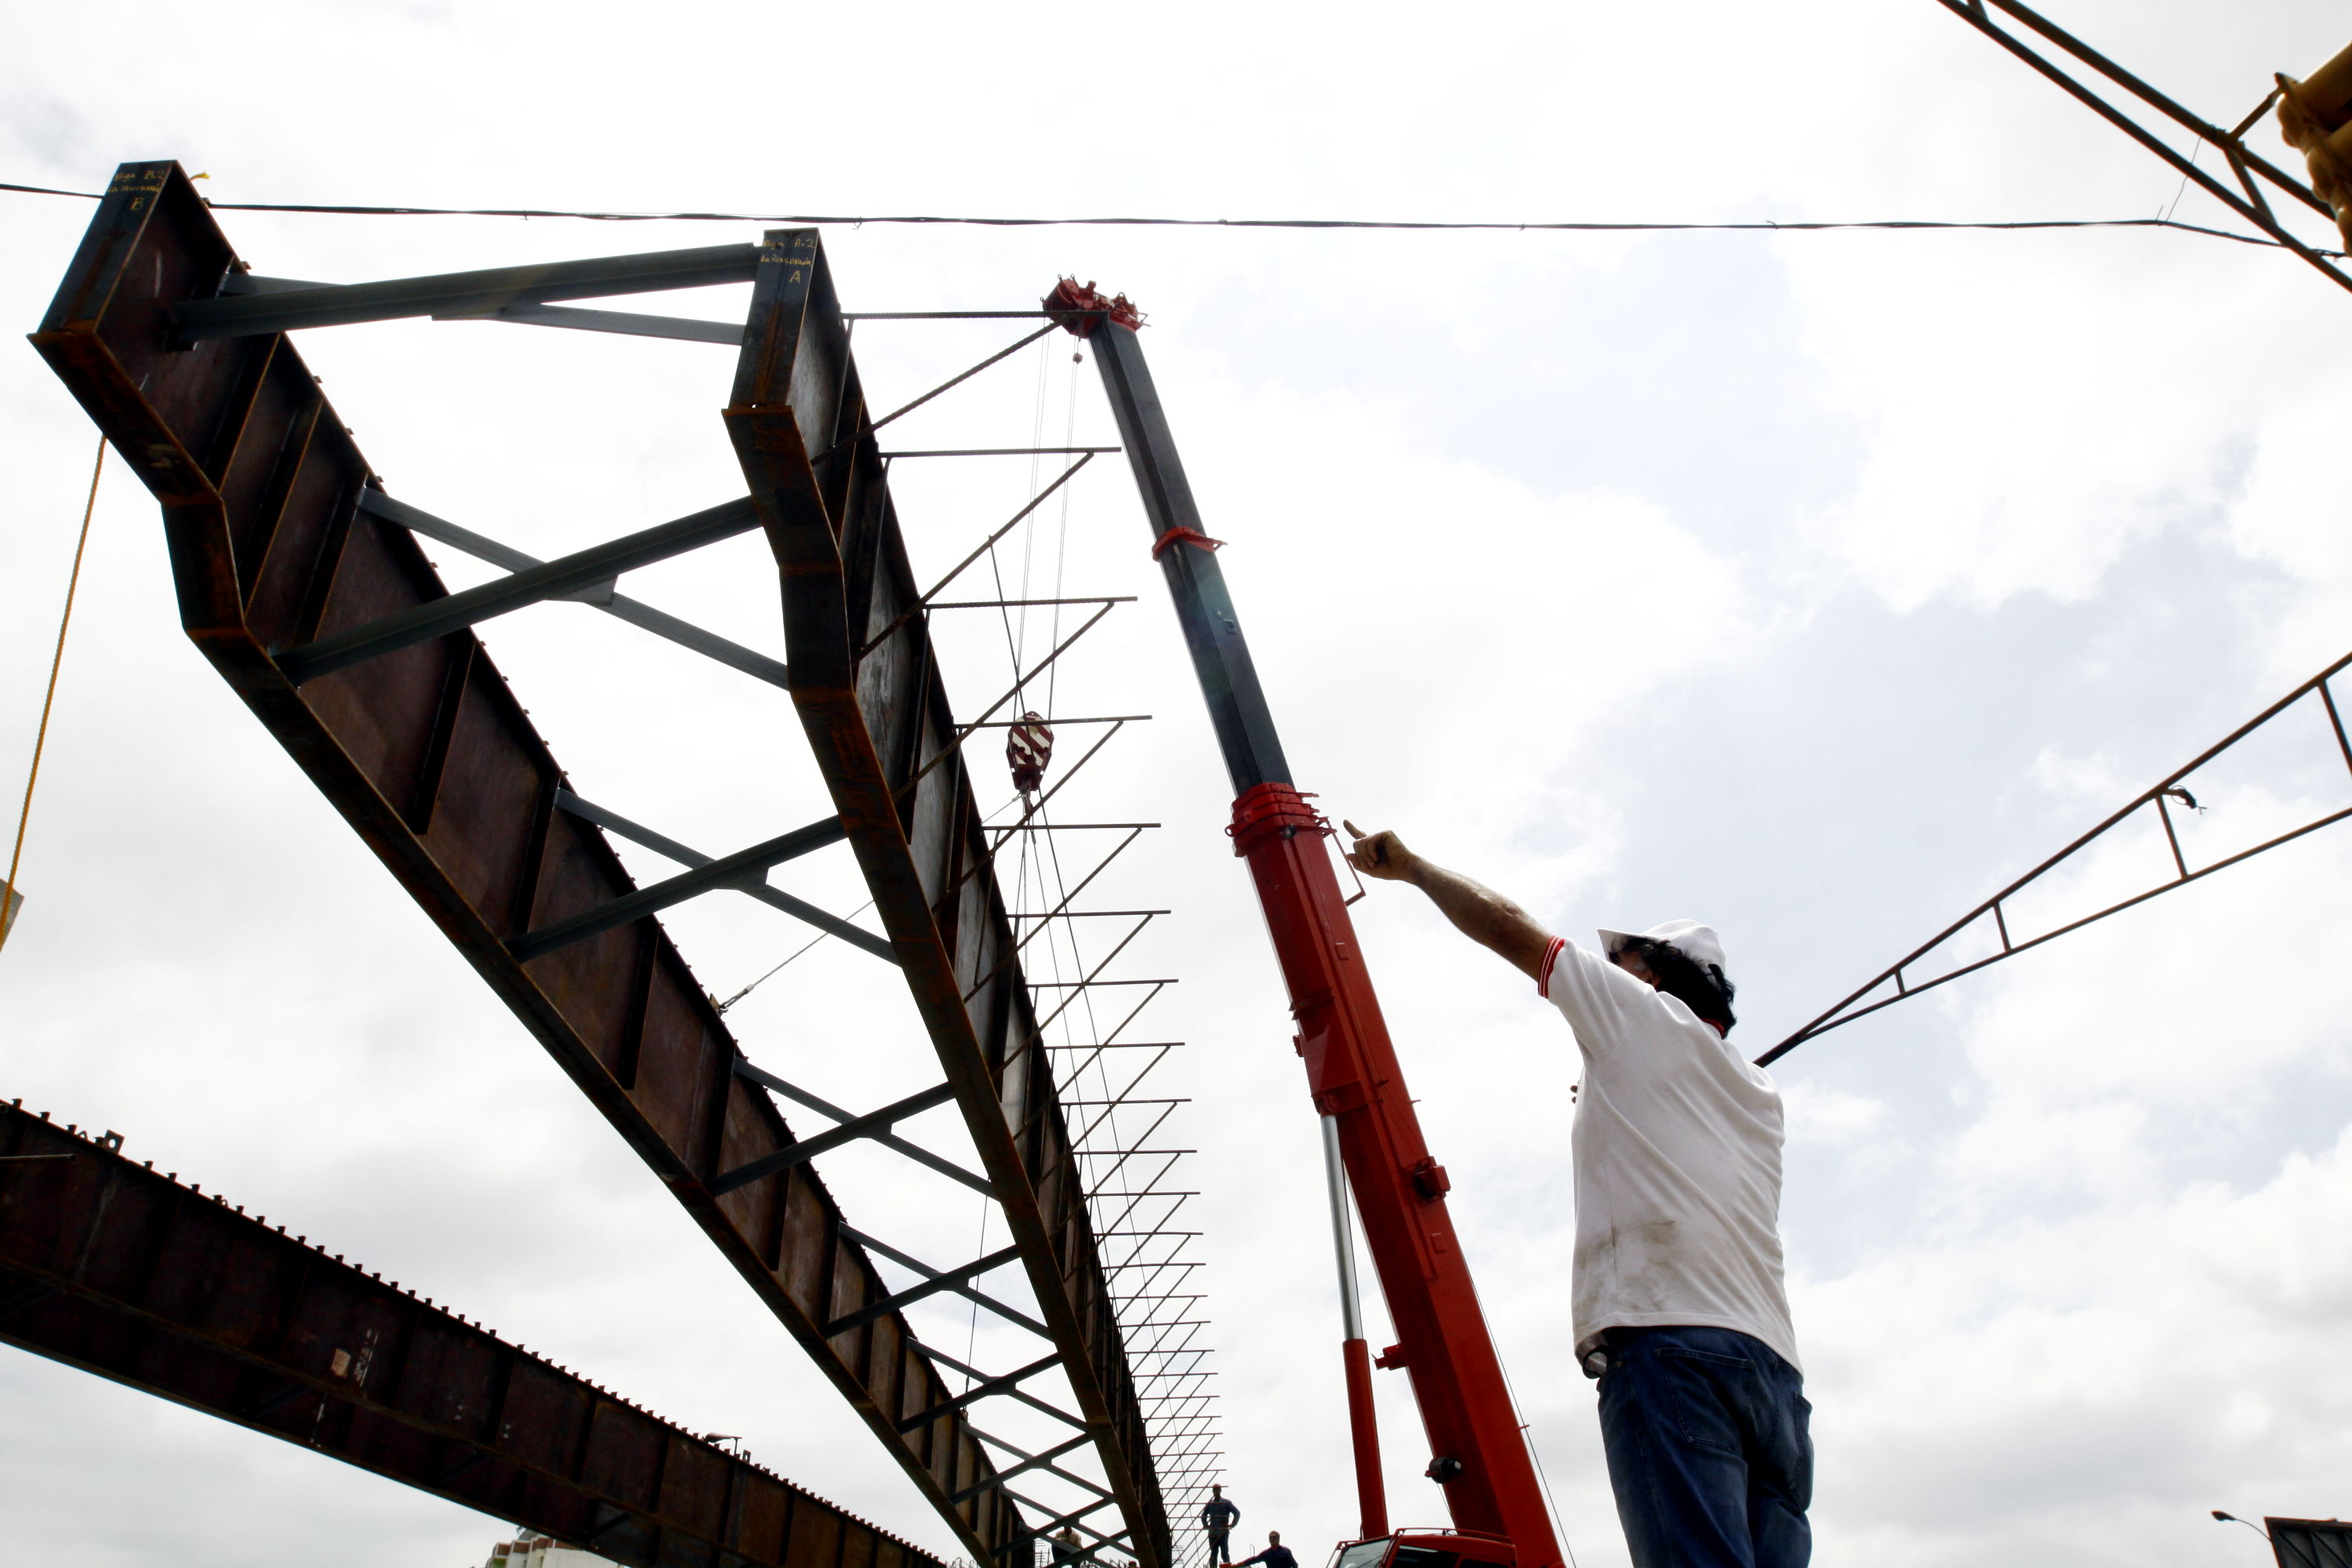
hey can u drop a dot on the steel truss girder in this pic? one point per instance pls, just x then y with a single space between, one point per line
2247 200
882 1135
849 1131
429 756
216 312
115 1270
934 1281
756 888
981 1381
879 724
629 908
960 1281
734 654
1002 1383
594 567
2159 796
2309 1542
1045 1461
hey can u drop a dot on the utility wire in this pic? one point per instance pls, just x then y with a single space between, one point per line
1761 225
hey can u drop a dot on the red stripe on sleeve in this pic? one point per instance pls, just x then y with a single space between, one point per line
1543 974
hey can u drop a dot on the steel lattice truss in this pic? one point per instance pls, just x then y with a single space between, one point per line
2078 885
305 585
2150 117
2155 842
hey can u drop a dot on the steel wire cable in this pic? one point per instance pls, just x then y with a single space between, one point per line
8 894
1528 1427
796 952
1041 866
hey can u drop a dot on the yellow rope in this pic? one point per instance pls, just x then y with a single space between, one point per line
41 736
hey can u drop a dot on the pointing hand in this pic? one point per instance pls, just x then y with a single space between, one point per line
1380 856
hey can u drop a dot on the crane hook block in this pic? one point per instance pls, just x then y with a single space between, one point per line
1028 748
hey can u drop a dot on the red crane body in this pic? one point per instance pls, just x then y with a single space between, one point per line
1443 1343
1479 1451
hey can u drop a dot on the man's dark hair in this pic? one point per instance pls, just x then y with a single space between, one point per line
1705 990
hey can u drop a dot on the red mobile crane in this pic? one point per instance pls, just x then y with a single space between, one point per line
1478 1454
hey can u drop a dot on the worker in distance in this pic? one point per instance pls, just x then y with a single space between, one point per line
1680 1309
1275 1555
1218 1517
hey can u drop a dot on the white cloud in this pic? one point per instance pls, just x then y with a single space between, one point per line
1831 1116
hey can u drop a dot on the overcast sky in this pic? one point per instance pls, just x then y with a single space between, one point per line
1808 584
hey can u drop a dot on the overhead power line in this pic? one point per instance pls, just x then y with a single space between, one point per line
1759 225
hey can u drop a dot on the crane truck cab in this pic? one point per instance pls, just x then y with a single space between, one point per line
1427 1549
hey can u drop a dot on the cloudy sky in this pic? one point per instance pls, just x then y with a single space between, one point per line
1810 584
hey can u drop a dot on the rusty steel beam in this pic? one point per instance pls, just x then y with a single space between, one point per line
867 686
107 1266
430 757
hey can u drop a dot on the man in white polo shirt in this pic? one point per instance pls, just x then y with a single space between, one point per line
1680 1311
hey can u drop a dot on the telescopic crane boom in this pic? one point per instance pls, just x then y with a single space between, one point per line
1478 1454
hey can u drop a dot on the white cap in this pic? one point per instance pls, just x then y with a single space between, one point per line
1695 941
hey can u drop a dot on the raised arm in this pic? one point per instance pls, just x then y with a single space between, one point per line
1478 912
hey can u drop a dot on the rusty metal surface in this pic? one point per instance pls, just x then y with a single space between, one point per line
876 714
429 756
2310 1542
107 1266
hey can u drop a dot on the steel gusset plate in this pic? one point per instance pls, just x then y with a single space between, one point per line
429 756
891 753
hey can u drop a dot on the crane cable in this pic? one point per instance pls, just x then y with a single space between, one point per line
9 898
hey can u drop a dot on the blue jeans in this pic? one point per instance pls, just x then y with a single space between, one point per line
1218 1551
1710 1451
